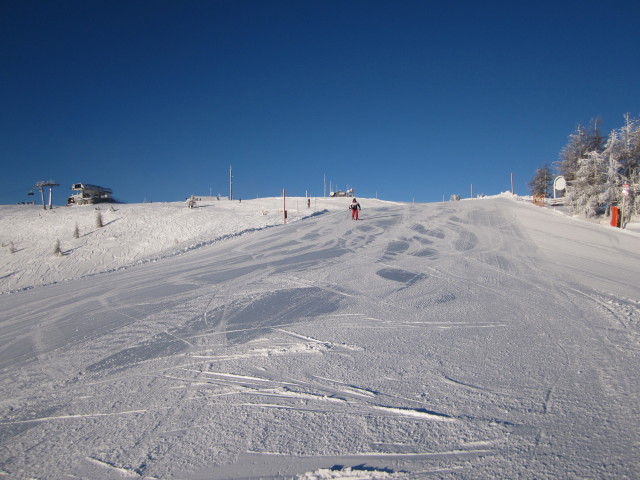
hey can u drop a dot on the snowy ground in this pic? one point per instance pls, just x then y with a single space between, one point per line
474 339
132 234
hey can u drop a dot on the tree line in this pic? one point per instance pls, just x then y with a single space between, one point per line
595 168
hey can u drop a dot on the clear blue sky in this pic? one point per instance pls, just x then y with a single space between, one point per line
414 100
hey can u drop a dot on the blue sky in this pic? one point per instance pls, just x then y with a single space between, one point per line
409 100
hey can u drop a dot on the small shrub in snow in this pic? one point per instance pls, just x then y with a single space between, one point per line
76 232
12 247
99 222
56 249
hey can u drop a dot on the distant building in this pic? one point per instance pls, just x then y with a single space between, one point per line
89 194
340 193
205 198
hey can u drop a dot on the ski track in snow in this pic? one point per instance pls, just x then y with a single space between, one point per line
453 340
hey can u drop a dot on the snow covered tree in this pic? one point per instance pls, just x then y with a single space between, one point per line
584 192
56 249
630 148
595 138
572 152
612 171
630 161
99 222
581 142
540 184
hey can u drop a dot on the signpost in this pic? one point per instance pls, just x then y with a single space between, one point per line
559 185
625 189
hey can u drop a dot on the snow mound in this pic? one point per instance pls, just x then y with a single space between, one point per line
348 473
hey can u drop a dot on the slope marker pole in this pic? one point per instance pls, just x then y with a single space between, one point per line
284 205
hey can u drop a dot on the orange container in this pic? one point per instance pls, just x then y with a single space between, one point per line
615 217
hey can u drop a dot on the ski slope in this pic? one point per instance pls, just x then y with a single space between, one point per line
460 340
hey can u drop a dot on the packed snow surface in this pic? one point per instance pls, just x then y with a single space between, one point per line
461 340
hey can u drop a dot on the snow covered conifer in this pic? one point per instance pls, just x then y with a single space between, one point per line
572 152
56 249
612 171
630 161
540 184
580 143
630 148
584 193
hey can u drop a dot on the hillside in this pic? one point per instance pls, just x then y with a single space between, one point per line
132 233
474 339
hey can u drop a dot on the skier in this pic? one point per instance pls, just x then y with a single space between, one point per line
355 206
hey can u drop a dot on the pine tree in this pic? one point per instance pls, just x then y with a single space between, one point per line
630 148
596 140
584 193
56 249
612 171
583 141
572 153
630 162
540 184
596 167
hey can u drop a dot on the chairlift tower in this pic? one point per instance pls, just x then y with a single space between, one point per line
41 185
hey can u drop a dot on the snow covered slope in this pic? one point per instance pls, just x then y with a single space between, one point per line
131 233
474 339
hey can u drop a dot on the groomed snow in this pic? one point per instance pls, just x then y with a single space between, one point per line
476 339
132 233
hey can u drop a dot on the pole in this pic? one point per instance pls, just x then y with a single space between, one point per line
42 195
284 205
325 185
230 182
50 198
472 190
512 191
